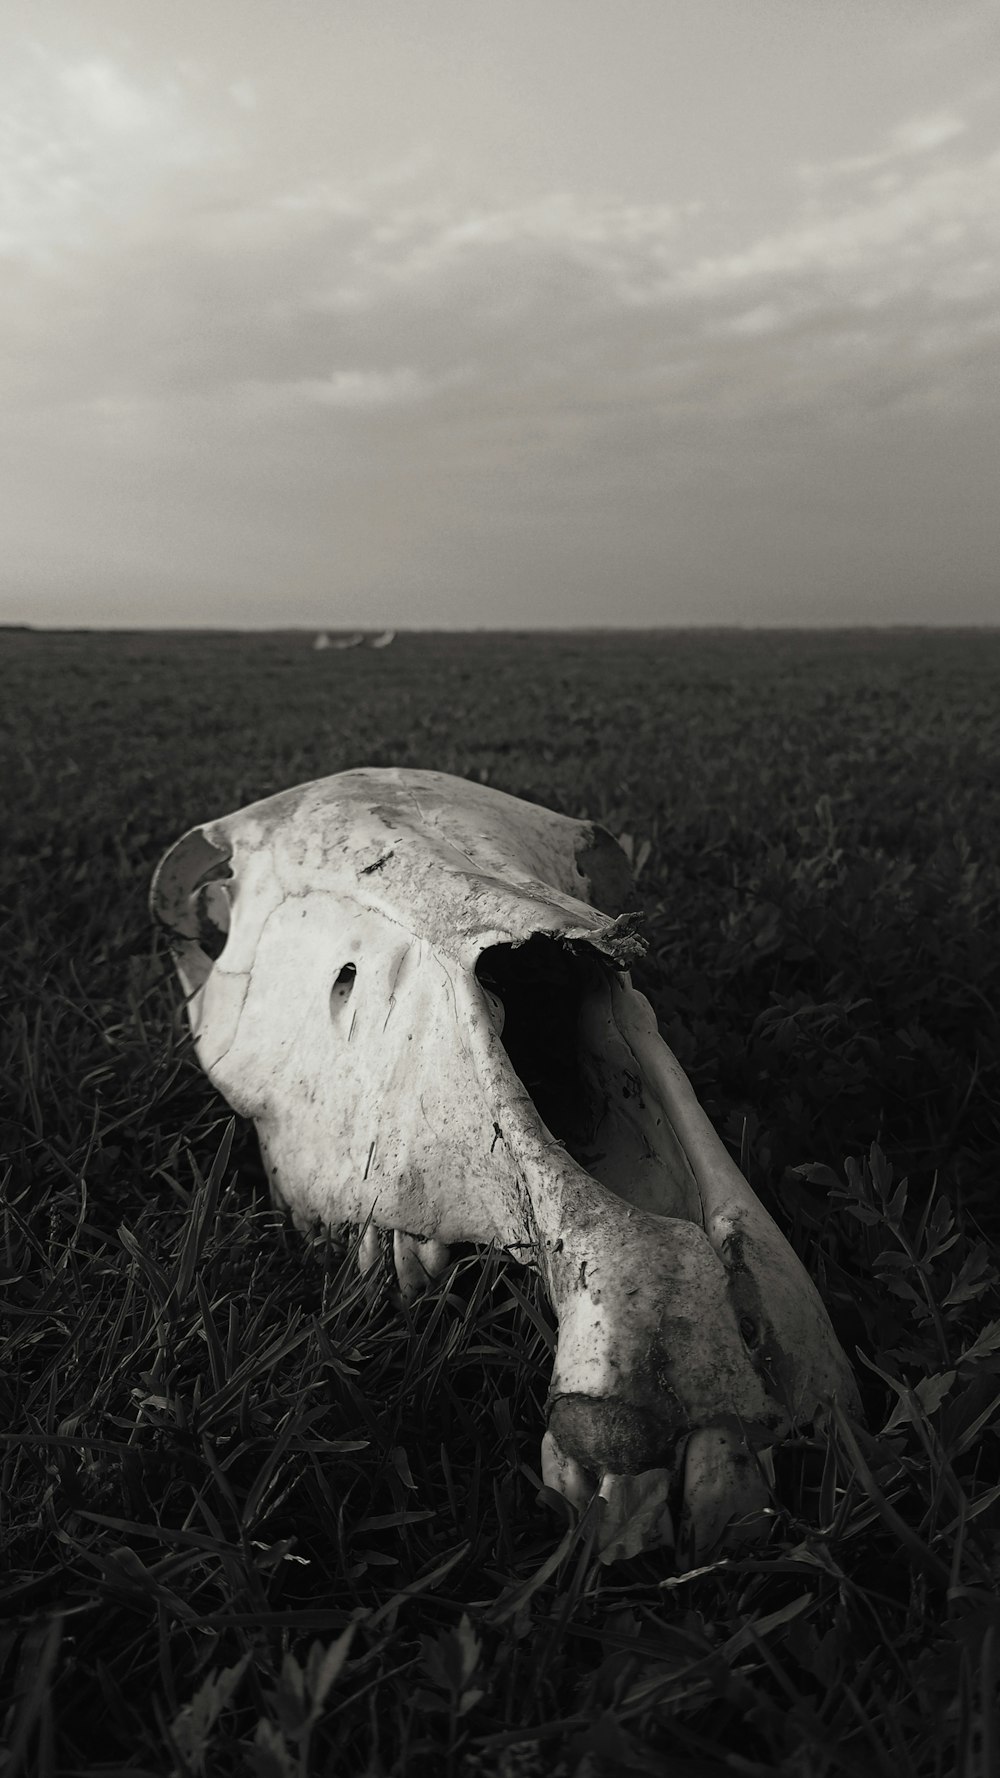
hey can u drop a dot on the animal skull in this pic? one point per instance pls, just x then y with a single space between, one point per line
404 980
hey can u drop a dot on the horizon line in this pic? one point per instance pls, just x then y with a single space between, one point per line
619 629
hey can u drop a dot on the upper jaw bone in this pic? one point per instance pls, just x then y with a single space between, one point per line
403 979
690 1336
681 1245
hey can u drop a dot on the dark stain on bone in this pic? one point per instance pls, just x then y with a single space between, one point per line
733 1257
603 1432
378 864
774 1367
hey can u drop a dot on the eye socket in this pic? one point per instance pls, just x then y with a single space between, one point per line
342 988
749 1331
212 912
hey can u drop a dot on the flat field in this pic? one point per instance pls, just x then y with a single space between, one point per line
258 1519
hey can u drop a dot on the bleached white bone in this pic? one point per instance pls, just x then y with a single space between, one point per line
418 989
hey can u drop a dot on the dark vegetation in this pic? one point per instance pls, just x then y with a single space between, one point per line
257 1518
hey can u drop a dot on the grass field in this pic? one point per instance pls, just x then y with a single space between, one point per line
256 1518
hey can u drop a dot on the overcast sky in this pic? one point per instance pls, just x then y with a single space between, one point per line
503 312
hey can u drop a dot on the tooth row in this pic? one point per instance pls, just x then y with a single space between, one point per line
721 1479
417 1262
726 1491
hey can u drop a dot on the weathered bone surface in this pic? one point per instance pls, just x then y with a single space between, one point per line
405 980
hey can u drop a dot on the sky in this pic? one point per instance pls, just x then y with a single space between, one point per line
504 313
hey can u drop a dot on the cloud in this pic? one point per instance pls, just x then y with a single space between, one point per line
250 356
360 391
109 101
916 135
84 146
895 225
881 286
397 292
919 135
368 388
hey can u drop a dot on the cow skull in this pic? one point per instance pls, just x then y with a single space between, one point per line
404 980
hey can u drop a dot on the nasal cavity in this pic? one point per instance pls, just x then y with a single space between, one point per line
534 992
342 988
603 1434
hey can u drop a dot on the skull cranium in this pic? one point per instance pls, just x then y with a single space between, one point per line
411 985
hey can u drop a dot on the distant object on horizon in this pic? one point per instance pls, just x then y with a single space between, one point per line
382 640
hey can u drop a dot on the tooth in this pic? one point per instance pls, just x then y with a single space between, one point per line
722 1487
369 1249
765 1457
637 1514
564 1474
417 1263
